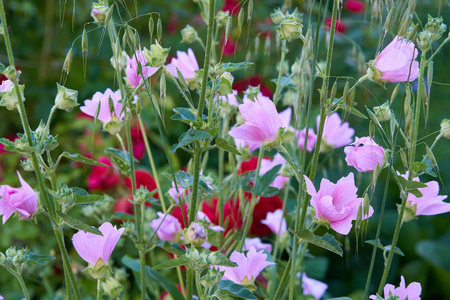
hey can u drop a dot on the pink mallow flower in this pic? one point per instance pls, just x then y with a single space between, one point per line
313 287
5 85
396 62
92 247
364 155
312 138
412 291
169 227
248 267
174 195
336 203
257 244
335 133
262 121
23 200
134 78
276 222
186 63
230 98
267 165
104 115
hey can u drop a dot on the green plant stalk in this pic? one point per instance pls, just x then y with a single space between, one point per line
254 201
225 122
283 280
211 103
189 283
152 163
412 153
34 159
280 71
18 275
198 285
98 289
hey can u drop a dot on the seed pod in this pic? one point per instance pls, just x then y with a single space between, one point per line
130 36
257 41
228 28
267 46
159 29
240 21
429 76
125 38
249 11
109 15
394 93
162 86
333 91
371 129
151 27
68 61
345 94
84 42
403 157
431 157
351 98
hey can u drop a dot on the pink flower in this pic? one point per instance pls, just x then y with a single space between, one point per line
313 287
335 133
267 165
169 227
312 138
104 115
262 121
430 203
257 244
174 195
5 85
230 98
23 200
91 247
365 155
242 144
396 62
248 267
186 63
133 76
336 203
276 222
412 292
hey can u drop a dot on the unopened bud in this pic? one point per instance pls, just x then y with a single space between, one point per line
113 126
383 112
112 287
240 21
159 29
436 27
27 165
11 252
445 128
2 258
289 29
425 40
68 61
277 16
195 234
98 12
222 18
66 99
157 55
151 27
252 92
189 34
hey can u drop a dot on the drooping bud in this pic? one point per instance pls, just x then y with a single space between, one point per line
151 27
240 21
189 34
159 29
66 99
68 61
98 12
157 55
113 126
222 18
383 112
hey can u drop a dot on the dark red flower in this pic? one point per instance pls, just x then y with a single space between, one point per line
232 6
242 85
143 178
354 6
249 165
138 142
230 46
124 205
103 178
340 26
177 214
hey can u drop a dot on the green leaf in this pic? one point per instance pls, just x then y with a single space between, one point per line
121 159
188 137
327 242
410 186
223 144
385 248
339 298
124 216
262 185
285 82
40 259
186 180
82 197
171 247
218 259
231 67
155 276
77 224
233 291
436 253
9 145
183 113
172 263
418 166
80 158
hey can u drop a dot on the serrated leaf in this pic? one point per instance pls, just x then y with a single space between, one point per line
188 137
262 185
155 276
231 67
327 242
223 144
171 247
8 145
80 158
40 259
233 290
77 224
418 166
186 180
121 160
183 113
172 263
285 82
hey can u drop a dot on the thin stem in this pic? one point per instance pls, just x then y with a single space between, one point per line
283 279
439 48
18 275
98 289
197 160
49 120
280 72
122 145
199 287
189 283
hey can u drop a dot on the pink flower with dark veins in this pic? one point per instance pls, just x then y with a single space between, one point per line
412 291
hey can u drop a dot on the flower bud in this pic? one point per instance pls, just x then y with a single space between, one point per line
9 97
112 287
11 252
98 12
425 40
373 73
157 55
2 258
192 255
445 128
290 29
383 112
11 73
113 126
66 99
225 84
27 165
22 145
119 61
436 27
195 234
277 16
99 271
222 18
252 92
189 34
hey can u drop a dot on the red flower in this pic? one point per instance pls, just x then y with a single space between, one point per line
340 26
232 6
143 178
177 214
103 178
138 142
249 165
242 85
229 46
124 205
354 6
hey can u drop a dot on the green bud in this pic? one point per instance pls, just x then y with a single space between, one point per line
9 97
373 73
277 16
66 99
119 60
99 271
112 287
157 55
11 252
425 38
225 84
222 18
383 112
68 61
445 128
240 21
159 29
436 27
189 34
2 258
252 92
98 12
11 73
113 126
289 29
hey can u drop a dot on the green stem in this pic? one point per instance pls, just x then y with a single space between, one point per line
18 275
253 202
211 103
439 48
199 287
189 283
98 289
283 279
280 72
